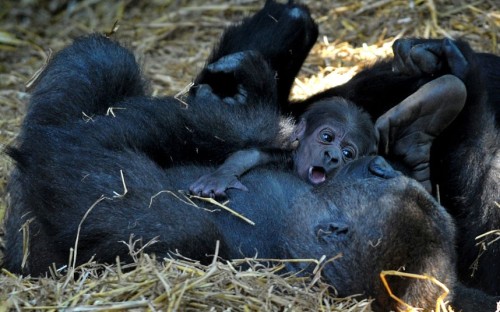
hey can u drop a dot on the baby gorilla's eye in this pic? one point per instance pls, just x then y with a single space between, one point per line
348 153
327 137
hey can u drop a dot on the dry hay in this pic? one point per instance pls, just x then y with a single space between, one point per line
173 38
173 285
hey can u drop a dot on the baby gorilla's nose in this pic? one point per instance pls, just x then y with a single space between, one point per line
331 159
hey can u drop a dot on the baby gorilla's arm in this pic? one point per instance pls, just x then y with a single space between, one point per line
226 176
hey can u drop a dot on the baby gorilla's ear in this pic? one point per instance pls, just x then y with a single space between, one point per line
299 131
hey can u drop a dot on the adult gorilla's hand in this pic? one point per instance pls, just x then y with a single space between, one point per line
406 131
423 56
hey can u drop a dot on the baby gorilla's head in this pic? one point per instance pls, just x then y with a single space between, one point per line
331 133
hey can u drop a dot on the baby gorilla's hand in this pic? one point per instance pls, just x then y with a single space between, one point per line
215 184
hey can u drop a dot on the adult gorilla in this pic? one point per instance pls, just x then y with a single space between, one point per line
70 184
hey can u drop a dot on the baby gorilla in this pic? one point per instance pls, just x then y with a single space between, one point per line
330 134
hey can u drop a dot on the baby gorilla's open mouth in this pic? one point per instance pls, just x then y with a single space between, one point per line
317 175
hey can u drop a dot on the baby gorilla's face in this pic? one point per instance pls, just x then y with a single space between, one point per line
324 150
331 133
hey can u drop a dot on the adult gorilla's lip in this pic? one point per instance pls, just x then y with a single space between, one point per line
317 175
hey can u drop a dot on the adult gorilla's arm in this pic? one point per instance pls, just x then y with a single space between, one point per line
376 89
466 156
387 83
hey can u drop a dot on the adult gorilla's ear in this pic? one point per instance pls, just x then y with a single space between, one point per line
406 131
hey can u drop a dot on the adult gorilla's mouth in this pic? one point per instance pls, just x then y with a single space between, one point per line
317 175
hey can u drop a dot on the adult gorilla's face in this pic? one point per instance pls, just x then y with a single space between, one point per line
375 223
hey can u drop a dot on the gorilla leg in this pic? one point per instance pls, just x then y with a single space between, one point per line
282 33
79 88
87 77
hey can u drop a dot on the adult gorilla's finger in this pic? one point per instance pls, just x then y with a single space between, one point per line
430 109
402 62
229 63
456 60
427 57
417 57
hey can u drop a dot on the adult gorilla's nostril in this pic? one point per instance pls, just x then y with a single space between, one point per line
338 229
331 231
